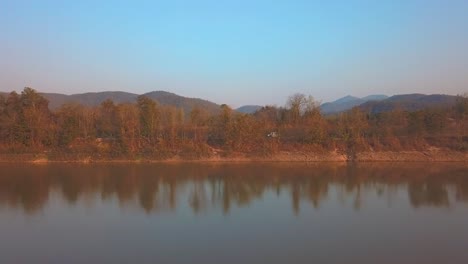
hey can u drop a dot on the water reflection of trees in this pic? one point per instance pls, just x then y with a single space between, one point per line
158 187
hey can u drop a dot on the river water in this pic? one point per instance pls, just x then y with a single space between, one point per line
234 213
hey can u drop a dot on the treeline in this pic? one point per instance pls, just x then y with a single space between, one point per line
146 129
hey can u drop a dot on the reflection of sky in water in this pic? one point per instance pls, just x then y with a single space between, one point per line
363 215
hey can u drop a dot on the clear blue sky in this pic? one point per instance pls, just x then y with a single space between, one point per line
236 52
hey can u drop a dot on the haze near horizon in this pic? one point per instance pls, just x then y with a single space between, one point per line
237 52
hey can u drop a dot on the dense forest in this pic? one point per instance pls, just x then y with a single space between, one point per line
148 130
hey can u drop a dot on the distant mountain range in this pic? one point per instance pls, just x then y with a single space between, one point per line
409 102
162 97
348 102
382 103
248 109
372 103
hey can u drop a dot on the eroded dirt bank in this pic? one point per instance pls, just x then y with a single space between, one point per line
433 154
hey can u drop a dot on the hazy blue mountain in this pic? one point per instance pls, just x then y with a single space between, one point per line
167 98
375 97
88 99
371 103
95 99
346 99
409 102
347 103
248 109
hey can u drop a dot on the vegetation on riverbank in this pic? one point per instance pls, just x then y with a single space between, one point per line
147 131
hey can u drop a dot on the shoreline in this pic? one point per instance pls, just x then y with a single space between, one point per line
431 155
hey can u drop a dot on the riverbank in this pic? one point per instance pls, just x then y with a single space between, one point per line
431 154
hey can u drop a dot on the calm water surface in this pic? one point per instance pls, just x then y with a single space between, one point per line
234 213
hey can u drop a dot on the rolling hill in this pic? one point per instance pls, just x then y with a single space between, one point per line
186 103
371 103
409 102
88 99
248 109
347 103
95 99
